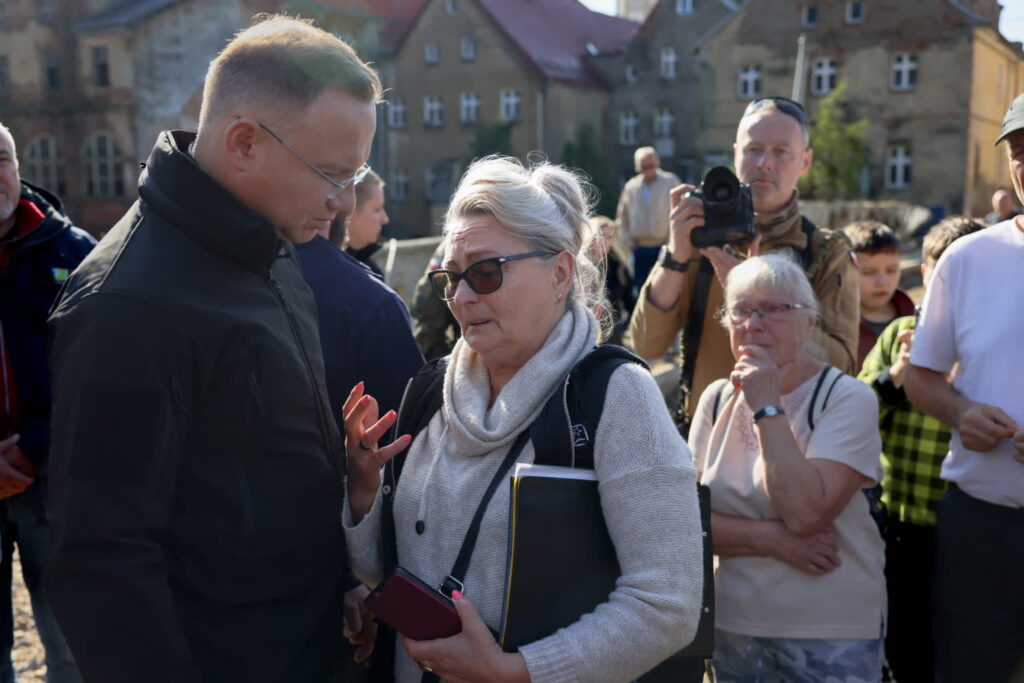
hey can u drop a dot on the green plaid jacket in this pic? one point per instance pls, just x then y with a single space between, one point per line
913 444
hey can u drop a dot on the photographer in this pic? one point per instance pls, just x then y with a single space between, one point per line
771 153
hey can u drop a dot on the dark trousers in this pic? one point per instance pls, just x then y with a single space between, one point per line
909 558
978 590
643 262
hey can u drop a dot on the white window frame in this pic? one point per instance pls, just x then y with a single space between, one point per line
824 76
103 167
467 49
629 122
805 16
433 111
508 105
669 61
684 7
397 113
663 121
748 82
431 53
632 73
398 188
850 18
469 107
43 164
903 72
899 167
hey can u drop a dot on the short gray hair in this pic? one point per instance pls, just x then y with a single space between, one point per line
776 272
284 60
544 204
4 130
642 153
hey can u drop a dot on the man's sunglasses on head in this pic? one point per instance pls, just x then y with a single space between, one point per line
783 104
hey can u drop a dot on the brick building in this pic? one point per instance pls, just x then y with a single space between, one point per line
470 62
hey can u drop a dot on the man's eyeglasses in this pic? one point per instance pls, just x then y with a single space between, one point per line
483 277
339 187
783 104
737 315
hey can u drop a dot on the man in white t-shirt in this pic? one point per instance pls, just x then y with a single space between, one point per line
966 371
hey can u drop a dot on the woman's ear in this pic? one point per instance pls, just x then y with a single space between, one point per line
565 268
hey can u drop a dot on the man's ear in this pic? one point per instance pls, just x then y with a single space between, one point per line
240 144
808 159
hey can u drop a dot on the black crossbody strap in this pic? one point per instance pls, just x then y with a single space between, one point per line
814 397
454 580
691 340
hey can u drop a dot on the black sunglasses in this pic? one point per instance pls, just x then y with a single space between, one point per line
783 104
483 277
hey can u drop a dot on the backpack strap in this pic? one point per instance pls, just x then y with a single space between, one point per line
721 397
564 432
693 331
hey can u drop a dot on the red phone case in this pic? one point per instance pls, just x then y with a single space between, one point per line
414 609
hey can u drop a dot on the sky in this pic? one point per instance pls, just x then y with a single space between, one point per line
1011 22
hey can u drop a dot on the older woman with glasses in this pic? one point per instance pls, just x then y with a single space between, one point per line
517 277
787 445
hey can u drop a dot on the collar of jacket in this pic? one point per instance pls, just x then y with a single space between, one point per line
366 252
781 229
184 195
54 220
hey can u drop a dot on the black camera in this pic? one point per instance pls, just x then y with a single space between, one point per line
728 210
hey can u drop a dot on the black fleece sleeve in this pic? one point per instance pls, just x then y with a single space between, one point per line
121 383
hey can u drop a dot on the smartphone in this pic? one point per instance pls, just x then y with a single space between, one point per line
413 608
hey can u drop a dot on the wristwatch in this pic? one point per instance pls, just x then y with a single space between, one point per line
769 411
665 260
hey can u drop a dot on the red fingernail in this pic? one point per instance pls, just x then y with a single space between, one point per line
457 595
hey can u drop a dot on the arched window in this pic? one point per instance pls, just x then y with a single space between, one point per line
103 167
43 164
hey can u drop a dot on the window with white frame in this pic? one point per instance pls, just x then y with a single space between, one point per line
669 58
855 12
899 165
809 16
100 66
432 110
903 75
684 6
632 75
469 107
43 164
467 49
431 53
103 166
508 105
627 128
749 83
396 113
663 121
824 75
398 188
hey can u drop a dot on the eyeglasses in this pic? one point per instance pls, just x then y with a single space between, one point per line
356 178
483 277
783 104
737 315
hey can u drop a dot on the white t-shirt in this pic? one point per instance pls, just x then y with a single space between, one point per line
762 596
973 315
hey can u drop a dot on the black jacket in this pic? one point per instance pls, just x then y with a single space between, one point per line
196 473
37 267
365 328
365 256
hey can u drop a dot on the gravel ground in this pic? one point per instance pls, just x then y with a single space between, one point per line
28 651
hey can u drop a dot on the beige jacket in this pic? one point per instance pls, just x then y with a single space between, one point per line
832 275
645 223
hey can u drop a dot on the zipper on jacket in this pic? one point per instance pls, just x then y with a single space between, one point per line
324 427
568 419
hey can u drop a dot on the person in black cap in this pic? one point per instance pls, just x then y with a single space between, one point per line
970 321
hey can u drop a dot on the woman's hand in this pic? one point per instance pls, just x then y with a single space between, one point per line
815 554
362 432
757 376
472 656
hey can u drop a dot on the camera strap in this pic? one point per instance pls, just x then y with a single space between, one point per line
692 334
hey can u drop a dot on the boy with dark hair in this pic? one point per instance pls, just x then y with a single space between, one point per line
914 445
878 267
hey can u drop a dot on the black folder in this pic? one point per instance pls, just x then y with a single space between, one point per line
561 561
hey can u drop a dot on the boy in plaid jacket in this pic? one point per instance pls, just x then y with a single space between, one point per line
914 445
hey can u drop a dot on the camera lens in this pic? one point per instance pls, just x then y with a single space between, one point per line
721 192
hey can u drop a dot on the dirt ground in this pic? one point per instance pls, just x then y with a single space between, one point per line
28 656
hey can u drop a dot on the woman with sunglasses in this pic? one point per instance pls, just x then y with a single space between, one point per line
517 277
787 445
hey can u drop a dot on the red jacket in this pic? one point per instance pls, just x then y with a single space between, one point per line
904 306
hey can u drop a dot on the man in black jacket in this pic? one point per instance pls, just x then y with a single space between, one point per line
196 470
38 248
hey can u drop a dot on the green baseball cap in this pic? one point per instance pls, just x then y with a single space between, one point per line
1014 119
